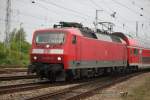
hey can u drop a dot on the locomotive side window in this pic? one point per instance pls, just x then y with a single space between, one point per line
74 39
115 39
104 37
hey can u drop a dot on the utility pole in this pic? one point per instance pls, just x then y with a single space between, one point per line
7 22
20 42
96 20
137 28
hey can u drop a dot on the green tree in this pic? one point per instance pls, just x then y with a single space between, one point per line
12 34
18 53
20 35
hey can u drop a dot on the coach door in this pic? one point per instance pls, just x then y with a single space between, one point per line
140 56
135 56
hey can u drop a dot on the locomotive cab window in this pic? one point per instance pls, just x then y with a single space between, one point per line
74 39
50 37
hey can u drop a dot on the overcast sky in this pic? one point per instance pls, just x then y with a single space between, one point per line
45 13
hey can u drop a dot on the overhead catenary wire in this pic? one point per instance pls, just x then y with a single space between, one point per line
108 12
16 22
74 12
42 6
132 10
81 14
34 16
120 17
78 14
81 3
142 8
56 13
25 15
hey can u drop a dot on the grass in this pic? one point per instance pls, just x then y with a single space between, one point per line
140 93
14 56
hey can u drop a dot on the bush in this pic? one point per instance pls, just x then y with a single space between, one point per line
18 53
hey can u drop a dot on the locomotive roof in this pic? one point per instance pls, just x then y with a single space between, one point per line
74 31
86 32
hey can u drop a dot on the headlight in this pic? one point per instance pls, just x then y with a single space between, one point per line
47 46
35 58
58 58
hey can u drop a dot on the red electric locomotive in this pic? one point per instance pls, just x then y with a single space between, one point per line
69 52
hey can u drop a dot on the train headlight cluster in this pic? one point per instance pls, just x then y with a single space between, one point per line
47 46
59 58
35 57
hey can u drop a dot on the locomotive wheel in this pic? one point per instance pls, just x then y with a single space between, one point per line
106 71
60 75
69 75
101 71
78 74
84 73
137 68
40 73
52 76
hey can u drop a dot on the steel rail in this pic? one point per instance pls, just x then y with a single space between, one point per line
80 91
91 92
66 90
11 70
23 87
38 85
9 78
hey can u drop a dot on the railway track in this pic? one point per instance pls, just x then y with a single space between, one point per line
11 70
22 87
12 66
9 78
84 90
38 85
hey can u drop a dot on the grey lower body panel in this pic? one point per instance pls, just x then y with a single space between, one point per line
143 65
145 59
96 64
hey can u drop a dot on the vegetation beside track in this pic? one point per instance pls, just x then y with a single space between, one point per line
140 93
17 53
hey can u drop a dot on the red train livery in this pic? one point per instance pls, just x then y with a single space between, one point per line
79 52
138 51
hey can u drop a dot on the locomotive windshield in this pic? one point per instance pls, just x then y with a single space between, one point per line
50 37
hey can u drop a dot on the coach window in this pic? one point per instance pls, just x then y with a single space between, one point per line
74 39
135 51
